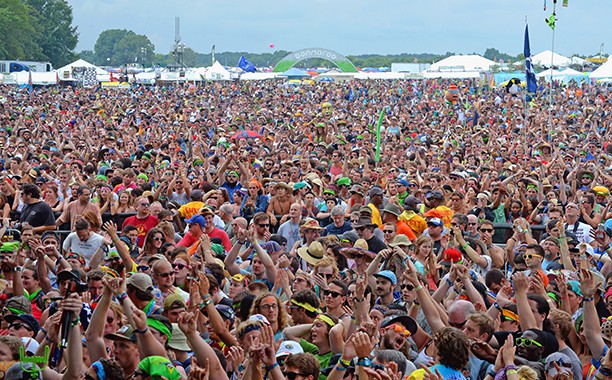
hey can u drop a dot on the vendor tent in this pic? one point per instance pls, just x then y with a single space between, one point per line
294 73
604 71
40 79
217 72
74 71
547 57
461 63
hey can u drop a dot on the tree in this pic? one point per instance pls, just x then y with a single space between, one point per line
105 46
55 34
134 48
87 55
18 32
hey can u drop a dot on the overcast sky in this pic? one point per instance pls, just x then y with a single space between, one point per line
353 27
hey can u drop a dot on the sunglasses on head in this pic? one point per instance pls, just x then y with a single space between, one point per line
525 342
332 293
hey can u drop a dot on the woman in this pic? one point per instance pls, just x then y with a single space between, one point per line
255 201
425 260
152 244
182 268
50 196
105 199
124 205
238 284
239 195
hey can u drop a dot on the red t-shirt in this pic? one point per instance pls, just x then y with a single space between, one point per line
143 226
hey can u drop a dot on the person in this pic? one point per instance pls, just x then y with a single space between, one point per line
82 241
36 212
77 209
143 221
290 229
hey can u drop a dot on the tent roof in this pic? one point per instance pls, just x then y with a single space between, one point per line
81 63
217 68
294 72
544 59
604 71
462 63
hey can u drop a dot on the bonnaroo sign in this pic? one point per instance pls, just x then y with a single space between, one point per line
315 53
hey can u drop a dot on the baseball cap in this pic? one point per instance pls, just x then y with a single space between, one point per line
344 181
157 367
19 305
199 219
141 281
21 370
226 312
389 275
562 360
28 319
289 347
451 255
375 191
66 275
574 286
126 332
174 301
436 222
404 320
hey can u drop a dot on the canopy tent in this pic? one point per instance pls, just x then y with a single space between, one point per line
544 59
562 75
72 71
462 63
451 74
217 72
378 75
257 76
604 71
41 79
294 72
148 77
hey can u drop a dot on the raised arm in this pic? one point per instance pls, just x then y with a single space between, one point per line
592 329
95 331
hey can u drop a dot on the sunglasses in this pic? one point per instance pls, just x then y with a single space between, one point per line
332 293
388 231
408 287
144 204
179 266
530 256
165 275
486 229
524 342
158 239
142 268
412 185
17 326
264 225
293 375
400 329
458 325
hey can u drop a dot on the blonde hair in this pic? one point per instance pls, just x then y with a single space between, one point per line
327 261
527 373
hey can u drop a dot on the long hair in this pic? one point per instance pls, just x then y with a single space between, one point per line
147 248
283 319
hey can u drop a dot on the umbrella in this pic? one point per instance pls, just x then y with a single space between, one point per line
326 79
246 135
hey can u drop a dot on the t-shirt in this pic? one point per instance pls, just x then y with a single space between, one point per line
37 214
312 349
291 232
189 209
142 225
85 249
376 245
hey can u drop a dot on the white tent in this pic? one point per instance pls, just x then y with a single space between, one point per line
451 74
147 77
217 72
579 61
257 76
544 59
67 73
459 63
561 75
604 71
45 78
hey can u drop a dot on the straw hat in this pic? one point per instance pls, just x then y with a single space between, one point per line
360 248
400 240
310 224
313 253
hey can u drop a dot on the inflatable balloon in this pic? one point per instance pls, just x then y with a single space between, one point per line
452 94
513 86
326 109
271 46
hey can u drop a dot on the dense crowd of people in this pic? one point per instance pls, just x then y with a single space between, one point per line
262 230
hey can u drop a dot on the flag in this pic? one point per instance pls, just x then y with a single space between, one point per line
351 96
246 66
30 81
551 21
380 120
529 73
57 81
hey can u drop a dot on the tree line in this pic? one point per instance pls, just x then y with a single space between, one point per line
37 30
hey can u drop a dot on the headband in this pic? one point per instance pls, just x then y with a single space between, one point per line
97 366
530 186
239 278
325 319
510 315
157 325
306 306
248 329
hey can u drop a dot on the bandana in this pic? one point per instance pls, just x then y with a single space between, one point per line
157 325
306 306
325 319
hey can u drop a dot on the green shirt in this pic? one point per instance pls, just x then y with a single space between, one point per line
312 349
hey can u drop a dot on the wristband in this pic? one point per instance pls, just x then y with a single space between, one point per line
496 305
340 368
492 372
76 322
344 363
418 288
121 297
364 362
587 299
605 371
465 246
240 242
42 329
511 371
204 304
449 282
49 339
511 367
142 331
271 367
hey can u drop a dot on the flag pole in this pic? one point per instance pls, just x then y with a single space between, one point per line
552 55
526 104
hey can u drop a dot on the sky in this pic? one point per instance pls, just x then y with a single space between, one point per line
353 27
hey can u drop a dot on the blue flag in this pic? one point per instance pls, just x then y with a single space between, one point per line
246 66
529 73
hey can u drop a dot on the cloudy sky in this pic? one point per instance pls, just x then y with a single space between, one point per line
353 27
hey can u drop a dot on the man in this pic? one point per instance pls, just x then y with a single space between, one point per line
226 214
143 221
82 241
22 326
36 212
77 208
339 225
191 208
434 200
215 232
573 224
391 214
410 216
231 183
384 286
534 256
472 228
365 230
163 274
487 231
394 331
376 202
435 230
302 366
402 190
551 254
95 287
197 226
125 348
304 307
174 306
139 287
290 230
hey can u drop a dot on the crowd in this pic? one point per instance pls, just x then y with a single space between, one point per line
376 230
